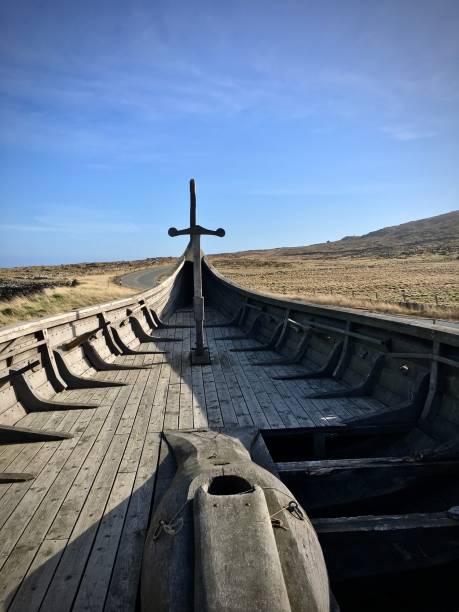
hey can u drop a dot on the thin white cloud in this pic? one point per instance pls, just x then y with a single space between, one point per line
111 99
407 133
71 228
73 220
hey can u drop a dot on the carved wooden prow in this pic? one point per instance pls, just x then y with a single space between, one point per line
200 354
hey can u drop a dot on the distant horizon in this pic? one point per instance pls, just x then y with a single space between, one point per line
222 252
301 123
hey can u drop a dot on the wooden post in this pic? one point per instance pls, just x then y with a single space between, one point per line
199 355
198 300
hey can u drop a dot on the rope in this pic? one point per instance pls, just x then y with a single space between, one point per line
291 507
174 525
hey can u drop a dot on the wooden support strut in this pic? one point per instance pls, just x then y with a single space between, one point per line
324 372
82 338
11 434
126 350
270 345
234 321
7 477
141 334
100 365
364 388
53 374
249 332
160 324
295 358
75 381
33 402
273 343
200 355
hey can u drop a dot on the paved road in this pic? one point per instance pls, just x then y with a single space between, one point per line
145 279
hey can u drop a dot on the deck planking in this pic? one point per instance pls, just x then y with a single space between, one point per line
72 539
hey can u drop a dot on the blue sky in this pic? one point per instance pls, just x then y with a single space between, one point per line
301 122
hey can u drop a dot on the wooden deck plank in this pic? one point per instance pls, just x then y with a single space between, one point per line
159 398
224 397
13 497
126 572
103 428
186 382
256 412
32 590
96 578
199 399
35 529
63 588
172 408
285 405
258 388
140 427
241 409
39 420
214 414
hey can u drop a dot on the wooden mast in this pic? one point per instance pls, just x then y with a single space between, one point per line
200 354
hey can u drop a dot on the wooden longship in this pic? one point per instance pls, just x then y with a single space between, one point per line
355 415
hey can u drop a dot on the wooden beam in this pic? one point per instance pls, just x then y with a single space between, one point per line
394 522
23 349
345 332
434 356
11 434
82 338
7 477
30 366
328 466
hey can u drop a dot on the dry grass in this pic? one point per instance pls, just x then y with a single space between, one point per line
70 271
91 290
376 284
97 283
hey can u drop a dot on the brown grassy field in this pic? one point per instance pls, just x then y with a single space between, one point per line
412 268
380 284
96 283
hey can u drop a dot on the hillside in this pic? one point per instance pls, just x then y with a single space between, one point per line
433 236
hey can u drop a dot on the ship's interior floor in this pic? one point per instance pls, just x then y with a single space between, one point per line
72 537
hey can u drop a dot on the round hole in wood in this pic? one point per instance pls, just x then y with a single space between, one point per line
229 485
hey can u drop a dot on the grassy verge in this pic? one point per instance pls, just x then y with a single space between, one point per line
95 283
421 310
428 283
90 290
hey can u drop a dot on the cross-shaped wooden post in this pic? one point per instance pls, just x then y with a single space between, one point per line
200 354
